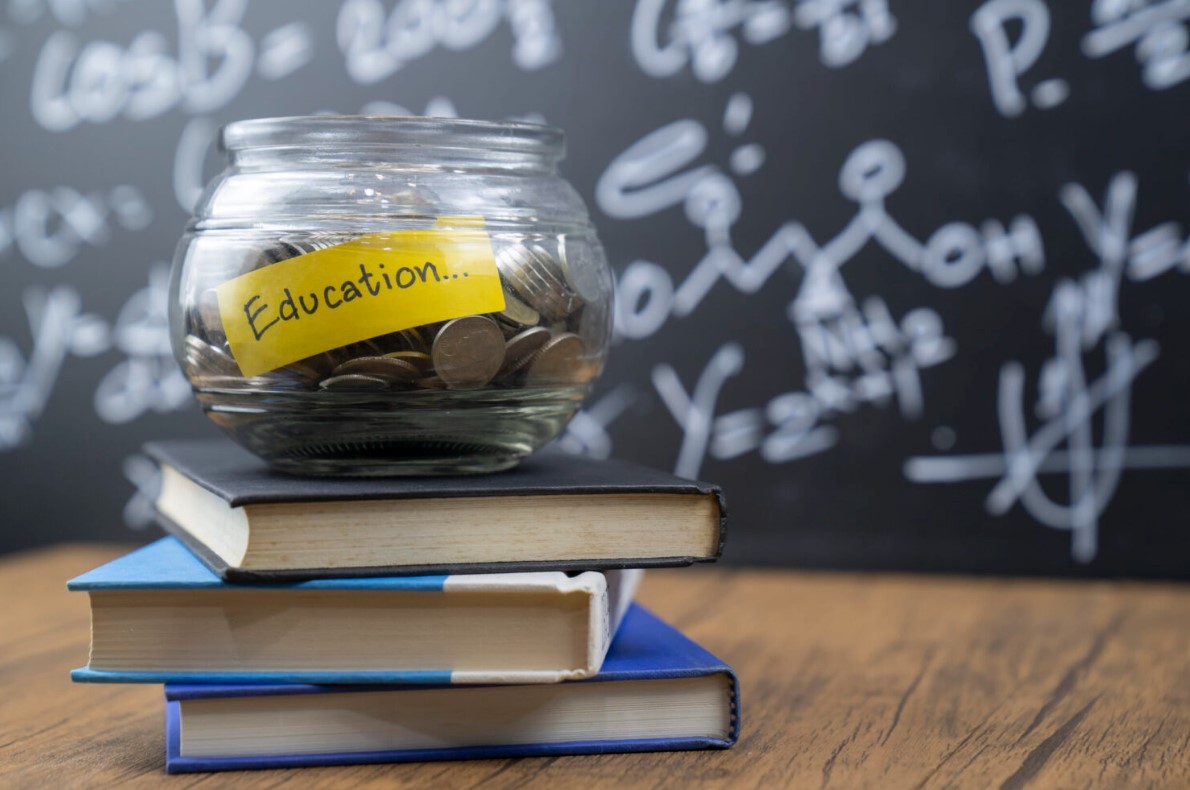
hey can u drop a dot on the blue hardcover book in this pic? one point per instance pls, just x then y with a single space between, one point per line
658 691
160 615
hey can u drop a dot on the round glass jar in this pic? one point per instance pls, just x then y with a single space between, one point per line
388 296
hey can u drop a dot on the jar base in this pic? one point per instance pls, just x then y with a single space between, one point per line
322 434
393 467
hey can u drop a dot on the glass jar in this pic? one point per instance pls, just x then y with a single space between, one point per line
386 296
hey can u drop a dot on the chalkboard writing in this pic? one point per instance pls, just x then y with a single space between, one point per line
906 279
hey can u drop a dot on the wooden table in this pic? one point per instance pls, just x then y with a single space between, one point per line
848 681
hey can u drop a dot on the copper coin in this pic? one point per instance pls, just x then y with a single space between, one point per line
520 348
560 361
468 352
209 318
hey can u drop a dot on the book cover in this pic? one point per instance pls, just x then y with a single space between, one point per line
551 609
646 651
250 523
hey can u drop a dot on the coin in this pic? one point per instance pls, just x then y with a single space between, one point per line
560 361
292 246
431 383
517 312
468 352
363 348
396 371
201 358
210 321
405 340
536 277
419 359
353 381
320 364
520 348
303 371
414 339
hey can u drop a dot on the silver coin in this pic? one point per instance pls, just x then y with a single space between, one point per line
287 247
419 359
200 358
209 317
397 371
468 352
520 348
517 312
353 381
560 361
537 278
319 365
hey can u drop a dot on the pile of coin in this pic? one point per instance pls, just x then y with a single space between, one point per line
531 343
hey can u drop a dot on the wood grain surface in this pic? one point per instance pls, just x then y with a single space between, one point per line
848 681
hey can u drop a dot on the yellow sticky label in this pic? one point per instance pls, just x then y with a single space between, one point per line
370 286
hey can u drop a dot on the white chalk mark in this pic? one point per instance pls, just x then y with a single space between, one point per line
747 159
1007 61
1050 93
50 227
1158 30
26 385
846 28
964 468
737 433
148 379
197 140
534 29
377 43
654 161
706 36
737 114
285 50
587 434
1082 315
850 356
140 511
77 81
694 413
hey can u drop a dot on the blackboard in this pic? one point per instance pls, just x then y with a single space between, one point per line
908 279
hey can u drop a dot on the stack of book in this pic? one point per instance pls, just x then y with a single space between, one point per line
305 621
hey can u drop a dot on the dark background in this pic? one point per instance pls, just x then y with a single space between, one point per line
80 392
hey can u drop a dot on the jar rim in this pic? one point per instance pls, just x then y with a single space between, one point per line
392 130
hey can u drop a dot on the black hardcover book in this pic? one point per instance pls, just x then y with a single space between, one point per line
554 511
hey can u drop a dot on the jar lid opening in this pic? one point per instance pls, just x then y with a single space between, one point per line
332 132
